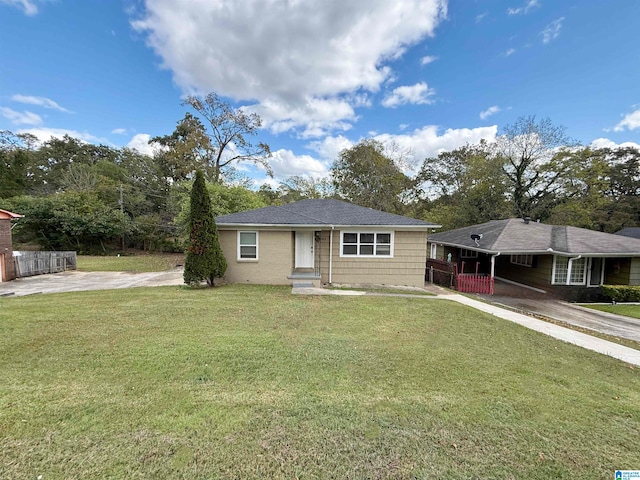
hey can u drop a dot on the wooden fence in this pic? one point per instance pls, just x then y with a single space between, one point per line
38 263
446 274
440 272
471 283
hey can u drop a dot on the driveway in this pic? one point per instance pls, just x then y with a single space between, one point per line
541 305
74 281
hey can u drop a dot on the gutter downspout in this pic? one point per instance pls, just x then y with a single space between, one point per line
493 272
569 265
331 254
493 264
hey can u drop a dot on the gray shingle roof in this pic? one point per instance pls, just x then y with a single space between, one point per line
515 236
318 213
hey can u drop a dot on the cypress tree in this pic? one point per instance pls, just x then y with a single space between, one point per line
205 260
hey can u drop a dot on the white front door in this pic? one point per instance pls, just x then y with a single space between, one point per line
304 249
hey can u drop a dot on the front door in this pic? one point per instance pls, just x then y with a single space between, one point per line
595 271
304 249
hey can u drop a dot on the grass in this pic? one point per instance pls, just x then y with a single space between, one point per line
632 311
253 382
385 290
129 263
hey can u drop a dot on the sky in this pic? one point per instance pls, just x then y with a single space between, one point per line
427 75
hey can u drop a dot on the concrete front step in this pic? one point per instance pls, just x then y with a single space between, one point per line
303 284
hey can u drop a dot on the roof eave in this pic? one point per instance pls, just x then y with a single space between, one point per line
539 252
322 225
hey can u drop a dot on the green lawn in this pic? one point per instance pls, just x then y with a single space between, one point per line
620 309
129 263
253 382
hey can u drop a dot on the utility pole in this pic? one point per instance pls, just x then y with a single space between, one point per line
121 202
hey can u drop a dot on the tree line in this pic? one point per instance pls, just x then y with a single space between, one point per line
98 198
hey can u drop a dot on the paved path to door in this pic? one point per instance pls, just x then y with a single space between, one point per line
580 339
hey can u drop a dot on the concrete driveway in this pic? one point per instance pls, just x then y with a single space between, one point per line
542 305
74 281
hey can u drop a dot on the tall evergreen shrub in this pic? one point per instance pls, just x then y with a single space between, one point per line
205 260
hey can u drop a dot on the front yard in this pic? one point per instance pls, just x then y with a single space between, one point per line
626 309
253 382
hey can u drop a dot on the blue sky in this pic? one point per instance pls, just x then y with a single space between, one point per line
429 75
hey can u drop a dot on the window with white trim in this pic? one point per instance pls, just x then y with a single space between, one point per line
561 271
578 271
366 244
434 250
247 245
465 253
522 260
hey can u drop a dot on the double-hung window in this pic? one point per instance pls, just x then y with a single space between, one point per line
248 246
366 244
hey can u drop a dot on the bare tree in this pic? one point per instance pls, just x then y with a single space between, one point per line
532 163
228 129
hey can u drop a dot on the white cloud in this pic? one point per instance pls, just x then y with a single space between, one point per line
315 116
40 101
43 134
21 118
480 17
330 147
28 6
631 121
285 164
552 31
509 52
140 142
422 143
489 111
119 131
606 143
427 142
284 55
526 8
426 60
418 94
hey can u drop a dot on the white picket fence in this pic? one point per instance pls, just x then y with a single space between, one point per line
38 263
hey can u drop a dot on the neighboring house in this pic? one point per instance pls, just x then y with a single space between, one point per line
633 232
7 268
569 262
323 241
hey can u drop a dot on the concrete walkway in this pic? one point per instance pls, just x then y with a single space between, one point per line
580 339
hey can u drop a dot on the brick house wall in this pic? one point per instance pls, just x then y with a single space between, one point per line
6 251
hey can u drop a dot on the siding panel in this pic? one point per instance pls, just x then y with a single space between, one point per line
275 258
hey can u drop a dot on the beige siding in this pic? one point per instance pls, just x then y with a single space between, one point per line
275 258
407 267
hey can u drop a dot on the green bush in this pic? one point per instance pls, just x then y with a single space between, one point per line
622 293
